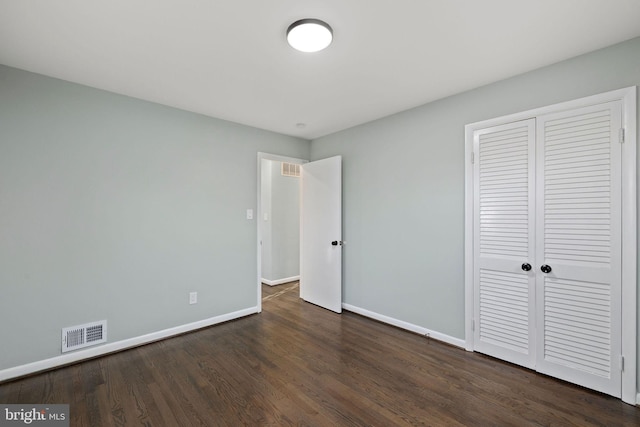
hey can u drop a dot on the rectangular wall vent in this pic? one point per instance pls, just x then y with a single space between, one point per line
76 337
290 169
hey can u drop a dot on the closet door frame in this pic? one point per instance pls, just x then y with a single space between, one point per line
629 317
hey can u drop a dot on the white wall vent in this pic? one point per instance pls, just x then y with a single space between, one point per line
290 169
76 337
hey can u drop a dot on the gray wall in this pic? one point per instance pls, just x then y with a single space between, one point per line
281 230
114 208
403 187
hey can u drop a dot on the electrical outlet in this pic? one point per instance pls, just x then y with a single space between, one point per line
193 297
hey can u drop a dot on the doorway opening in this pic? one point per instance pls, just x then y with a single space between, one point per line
278 223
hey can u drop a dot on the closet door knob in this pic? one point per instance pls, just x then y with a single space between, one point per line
545 268
526 266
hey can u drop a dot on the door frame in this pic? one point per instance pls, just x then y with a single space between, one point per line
629 223
259 214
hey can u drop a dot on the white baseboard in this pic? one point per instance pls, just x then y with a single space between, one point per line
638 400
405 325
41 365
280 281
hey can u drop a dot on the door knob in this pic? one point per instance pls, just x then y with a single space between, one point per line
545 268
526 266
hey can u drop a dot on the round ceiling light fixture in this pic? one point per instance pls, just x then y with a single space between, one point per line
309 35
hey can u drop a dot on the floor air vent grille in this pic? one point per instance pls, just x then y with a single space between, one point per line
76 337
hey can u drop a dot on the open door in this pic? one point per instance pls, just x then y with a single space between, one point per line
321 233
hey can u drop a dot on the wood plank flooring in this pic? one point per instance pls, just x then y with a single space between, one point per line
298 364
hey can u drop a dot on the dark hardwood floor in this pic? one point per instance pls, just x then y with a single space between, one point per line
298 364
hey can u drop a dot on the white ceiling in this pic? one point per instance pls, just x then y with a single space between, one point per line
229 58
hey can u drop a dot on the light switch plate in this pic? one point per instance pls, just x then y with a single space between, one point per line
249 213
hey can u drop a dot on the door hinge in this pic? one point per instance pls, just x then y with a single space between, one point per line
621 136
473 157
621 363
473 325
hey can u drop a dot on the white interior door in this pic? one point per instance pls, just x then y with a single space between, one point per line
579 245
504 242
321 233
548 197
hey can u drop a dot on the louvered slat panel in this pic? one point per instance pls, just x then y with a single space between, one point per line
578 236
577 162
503 230
504 302
503 198
577 325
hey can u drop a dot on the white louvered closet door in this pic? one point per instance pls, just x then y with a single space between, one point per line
579 238
503 242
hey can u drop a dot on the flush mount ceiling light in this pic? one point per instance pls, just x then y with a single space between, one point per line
309 35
